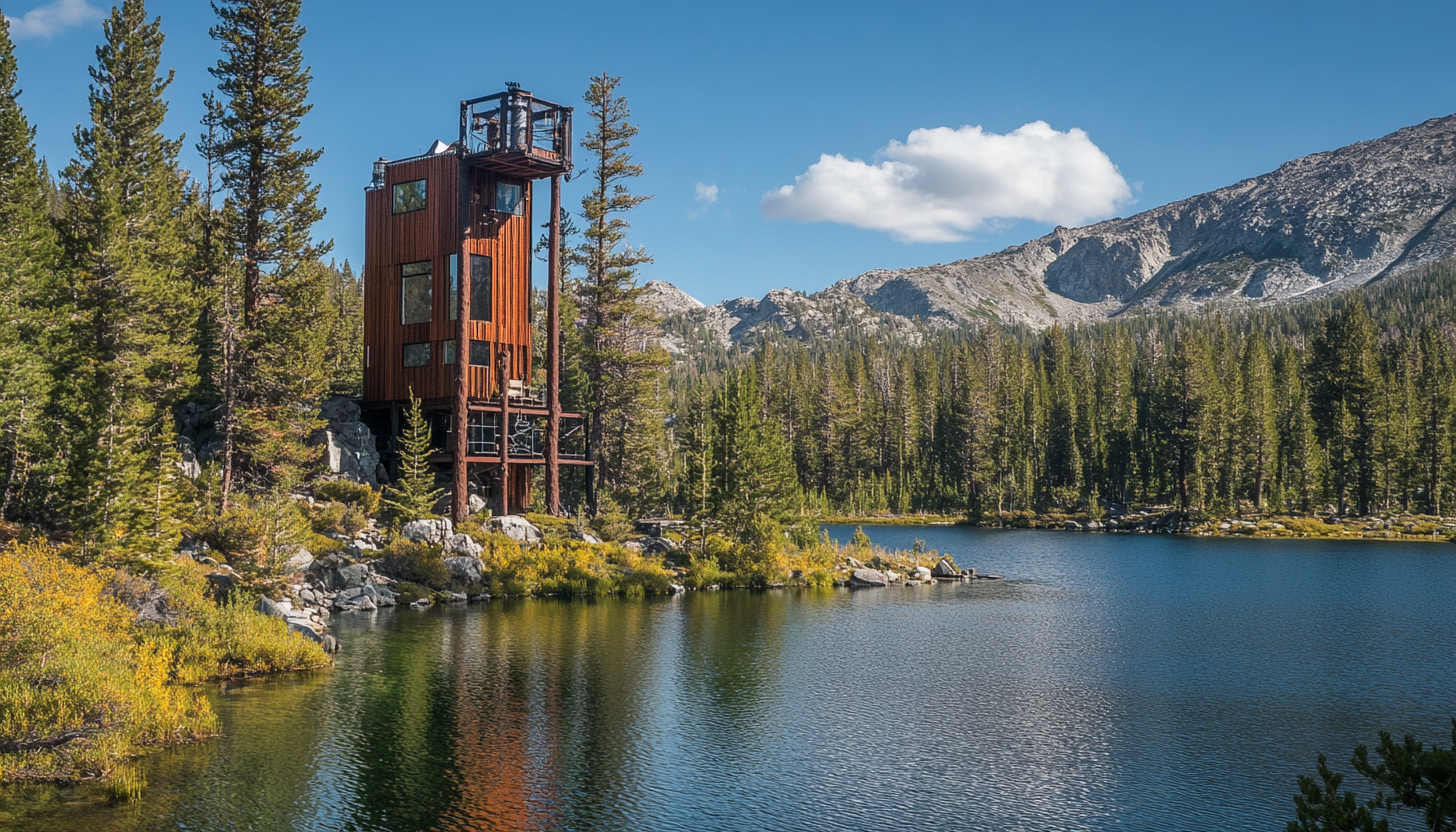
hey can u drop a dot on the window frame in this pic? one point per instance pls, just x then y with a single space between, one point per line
394 192
405 276
519 210
480 264
405 351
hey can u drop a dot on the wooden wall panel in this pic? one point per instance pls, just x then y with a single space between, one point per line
430 234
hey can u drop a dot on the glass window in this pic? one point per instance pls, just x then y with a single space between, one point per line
454 302
509 199
415 293
479 287
447 351
479 284
417 355
480 354
409 196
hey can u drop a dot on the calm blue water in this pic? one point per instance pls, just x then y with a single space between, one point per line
1111 682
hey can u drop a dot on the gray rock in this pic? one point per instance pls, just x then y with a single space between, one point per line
366 604
462 545
421 603
458 597
268 606
224 581
350 446
585 536
306 630
676 589
466 569
428 531
1073 526
945 568
156 608
329 643
894 577
853 563
923 573
355 574
478 504
1092 526
516 528
633 546
868 578
300 559
658 545
481 598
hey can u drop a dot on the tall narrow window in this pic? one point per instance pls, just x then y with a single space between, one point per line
409 196
447 351
415 292
509 199
454 301
479 287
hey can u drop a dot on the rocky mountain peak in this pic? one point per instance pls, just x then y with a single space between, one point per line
1326 222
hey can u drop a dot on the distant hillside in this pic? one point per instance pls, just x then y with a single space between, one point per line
1323 223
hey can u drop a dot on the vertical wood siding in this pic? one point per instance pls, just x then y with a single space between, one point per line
430 234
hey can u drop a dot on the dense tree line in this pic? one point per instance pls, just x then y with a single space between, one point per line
132 286
1342 403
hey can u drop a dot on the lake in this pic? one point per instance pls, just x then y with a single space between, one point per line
1130 682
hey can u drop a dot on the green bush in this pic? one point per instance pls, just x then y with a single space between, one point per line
354 494
418 563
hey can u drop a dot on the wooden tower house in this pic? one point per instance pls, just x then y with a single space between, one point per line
459 217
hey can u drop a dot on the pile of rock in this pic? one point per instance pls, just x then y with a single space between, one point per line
857 575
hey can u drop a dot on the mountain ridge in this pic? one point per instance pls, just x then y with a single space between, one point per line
1326 222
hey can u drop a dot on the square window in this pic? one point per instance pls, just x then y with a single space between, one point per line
417 355
447 351
509 199
409 196
480 354
415 304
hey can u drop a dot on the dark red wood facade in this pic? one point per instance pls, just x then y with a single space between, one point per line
506 141
431 234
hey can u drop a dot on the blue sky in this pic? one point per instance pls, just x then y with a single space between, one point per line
745 97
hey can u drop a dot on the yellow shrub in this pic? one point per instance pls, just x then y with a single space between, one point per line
70 665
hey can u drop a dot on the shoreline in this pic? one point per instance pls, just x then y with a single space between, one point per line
1277 527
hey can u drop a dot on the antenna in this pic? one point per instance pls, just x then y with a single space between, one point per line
513 86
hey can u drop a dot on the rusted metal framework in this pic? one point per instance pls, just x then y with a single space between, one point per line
447 297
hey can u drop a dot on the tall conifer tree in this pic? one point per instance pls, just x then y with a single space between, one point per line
128 355
274 348
621 357
29 257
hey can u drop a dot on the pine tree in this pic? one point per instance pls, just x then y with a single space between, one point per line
620 353
753 476
414 495
1343 378
1436 392
1258 428
128 356
275 373
29 257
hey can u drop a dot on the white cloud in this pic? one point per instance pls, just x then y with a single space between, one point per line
942 183
50 19
706 193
